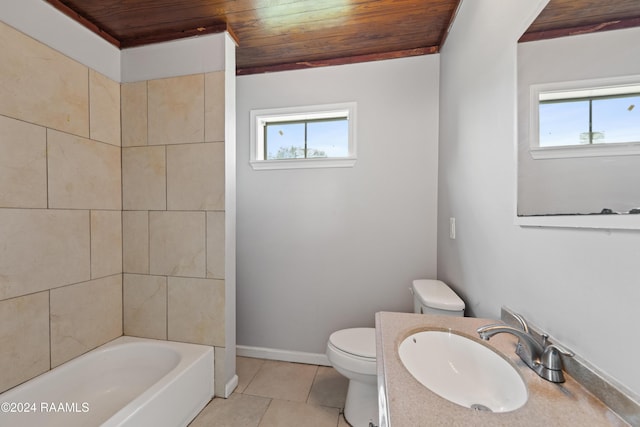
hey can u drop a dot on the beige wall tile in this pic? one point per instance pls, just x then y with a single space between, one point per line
134 114
195 177
41 86
83 174
215 244
196 311
177 243
42 249
104 104
85 316
144 181
23 164
176 110
106 243
24 334
214 103
135 242
145 306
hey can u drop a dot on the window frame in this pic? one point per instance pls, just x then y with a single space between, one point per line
259 118
579 89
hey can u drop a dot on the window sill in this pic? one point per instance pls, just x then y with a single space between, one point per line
303 163
606 222
594 150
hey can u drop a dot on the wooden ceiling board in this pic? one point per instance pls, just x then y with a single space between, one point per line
276 35
571 17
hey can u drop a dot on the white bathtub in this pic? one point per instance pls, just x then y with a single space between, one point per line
131 382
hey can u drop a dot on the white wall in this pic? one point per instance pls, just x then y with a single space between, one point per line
324 249
579 285
587 184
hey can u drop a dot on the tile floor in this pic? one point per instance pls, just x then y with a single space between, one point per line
279 394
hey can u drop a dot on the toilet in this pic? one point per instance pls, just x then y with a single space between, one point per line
352 352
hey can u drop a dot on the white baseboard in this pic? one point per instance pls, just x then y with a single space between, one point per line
283 355
230 386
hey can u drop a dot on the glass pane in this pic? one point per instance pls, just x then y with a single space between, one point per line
328 138
564 123
617 119
284 141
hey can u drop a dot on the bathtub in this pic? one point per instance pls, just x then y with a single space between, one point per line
126 382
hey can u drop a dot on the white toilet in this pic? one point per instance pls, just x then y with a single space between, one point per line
352 352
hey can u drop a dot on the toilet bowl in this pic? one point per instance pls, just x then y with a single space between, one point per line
352 352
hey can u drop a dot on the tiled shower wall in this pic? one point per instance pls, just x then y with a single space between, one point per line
60 209
174 210
78 208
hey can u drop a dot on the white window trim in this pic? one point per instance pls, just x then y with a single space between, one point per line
259 117
607 222
591 150
588 87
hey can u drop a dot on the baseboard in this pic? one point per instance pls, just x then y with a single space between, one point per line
283 355
230 386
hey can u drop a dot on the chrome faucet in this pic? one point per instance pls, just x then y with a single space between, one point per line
543 357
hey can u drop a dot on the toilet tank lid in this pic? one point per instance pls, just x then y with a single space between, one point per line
436 294
357 341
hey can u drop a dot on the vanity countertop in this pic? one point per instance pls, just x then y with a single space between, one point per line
408 403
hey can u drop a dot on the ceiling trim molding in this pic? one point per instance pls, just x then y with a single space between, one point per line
339 61
214 28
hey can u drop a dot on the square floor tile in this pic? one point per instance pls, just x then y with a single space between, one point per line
283 380
246 369
283 413
329 388
239 410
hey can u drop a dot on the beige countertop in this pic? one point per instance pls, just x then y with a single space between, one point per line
410 404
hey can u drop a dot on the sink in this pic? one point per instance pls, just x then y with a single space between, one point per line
463 371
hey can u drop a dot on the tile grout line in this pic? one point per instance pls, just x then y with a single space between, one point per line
50 341
265 411
253 377
120 86
315 375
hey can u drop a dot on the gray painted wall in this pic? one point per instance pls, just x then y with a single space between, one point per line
324 249
582 286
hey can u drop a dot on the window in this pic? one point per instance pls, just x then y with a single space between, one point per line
304 137
585 121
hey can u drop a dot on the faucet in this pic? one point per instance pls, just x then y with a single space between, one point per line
542 357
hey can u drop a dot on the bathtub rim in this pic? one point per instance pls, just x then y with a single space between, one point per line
192 355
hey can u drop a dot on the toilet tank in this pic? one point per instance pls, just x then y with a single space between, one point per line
435 297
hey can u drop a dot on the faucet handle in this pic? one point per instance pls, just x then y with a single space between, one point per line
521 321
562 350
551 356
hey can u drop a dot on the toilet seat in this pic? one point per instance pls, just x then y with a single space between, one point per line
353 350
359 342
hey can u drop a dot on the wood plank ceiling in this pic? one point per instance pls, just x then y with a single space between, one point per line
274 35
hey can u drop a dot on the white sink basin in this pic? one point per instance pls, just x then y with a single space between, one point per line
463 371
